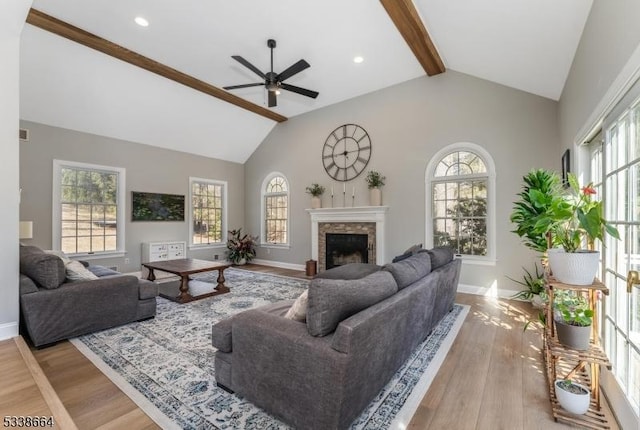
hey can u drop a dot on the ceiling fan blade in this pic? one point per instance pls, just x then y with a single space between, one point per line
292 70
303 91
249 66
272 101
233 87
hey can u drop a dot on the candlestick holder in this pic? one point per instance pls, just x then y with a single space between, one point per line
332 200
344 199
353 200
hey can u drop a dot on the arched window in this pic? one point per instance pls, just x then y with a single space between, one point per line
460 204
275 210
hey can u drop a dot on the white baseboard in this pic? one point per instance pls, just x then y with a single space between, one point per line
8 330
485 291
279 264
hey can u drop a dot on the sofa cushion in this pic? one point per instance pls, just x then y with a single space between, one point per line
77 272
409 270
101 271
440 256
408 253
349 271
46 270
333 300
298 310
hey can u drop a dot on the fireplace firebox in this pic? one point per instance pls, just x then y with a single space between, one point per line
344 248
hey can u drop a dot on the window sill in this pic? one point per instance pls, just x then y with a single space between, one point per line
206 246
96 256
476 261
275 245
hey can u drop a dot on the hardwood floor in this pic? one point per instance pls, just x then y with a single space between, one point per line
492 378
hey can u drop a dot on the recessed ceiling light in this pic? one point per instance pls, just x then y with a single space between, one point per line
358 59
141 21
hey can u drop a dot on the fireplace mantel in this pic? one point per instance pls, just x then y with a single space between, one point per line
376 214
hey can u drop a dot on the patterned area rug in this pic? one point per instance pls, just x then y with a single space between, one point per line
166 364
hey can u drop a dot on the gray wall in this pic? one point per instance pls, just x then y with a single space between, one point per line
148 169
408 123
12 15
610 36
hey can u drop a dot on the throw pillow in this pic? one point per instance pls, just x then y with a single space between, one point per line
440 256
77 272
409 270
333 300
298 311
408 253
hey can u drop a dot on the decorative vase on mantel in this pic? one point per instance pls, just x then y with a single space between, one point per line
575 268
316 202
375 197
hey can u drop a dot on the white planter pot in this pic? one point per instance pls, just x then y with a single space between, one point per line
316 202
571 402
576 268
375 197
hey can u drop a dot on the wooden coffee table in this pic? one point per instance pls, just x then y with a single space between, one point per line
185 267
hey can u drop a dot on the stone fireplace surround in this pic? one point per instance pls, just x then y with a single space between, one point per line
359 220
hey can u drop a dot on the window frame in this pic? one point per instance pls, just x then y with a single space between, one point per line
490 257
263 215
225 191
56 215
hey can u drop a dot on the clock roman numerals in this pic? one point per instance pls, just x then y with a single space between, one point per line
346 152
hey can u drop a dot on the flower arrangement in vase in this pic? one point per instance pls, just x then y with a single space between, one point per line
316 191
374 182
241 249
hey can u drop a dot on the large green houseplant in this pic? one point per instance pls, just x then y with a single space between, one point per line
541 190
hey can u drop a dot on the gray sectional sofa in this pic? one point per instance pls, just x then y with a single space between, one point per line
54 308
320 374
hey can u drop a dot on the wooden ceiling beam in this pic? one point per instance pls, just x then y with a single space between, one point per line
68 31
407 20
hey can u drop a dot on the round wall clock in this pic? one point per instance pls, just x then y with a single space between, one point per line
346 152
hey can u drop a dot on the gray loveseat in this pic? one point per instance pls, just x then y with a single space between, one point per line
358 332
54 308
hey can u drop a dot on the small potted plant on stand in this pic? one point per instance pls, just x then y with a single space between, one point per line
573 397
316 191
374 181
571 220
573 318
241 249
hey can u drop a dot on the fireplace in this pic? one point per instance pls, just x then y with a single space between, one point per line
366 221
346 248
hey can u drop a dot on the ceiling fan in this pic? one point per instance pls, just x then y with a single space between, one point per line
274 81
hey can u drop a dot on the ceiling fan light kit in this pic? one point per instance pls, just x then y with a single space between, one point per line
273 82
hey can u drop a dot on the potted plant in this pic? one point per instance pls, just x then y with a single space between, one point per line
316 190
573 318
541 190
240 248
534 291
374 181
573 397
574 220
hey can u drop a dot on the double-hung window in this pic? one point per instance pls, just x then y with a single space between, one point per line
208 212
88 208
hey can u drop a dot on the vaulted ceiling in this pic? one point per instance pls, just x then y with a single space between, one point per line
525 44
